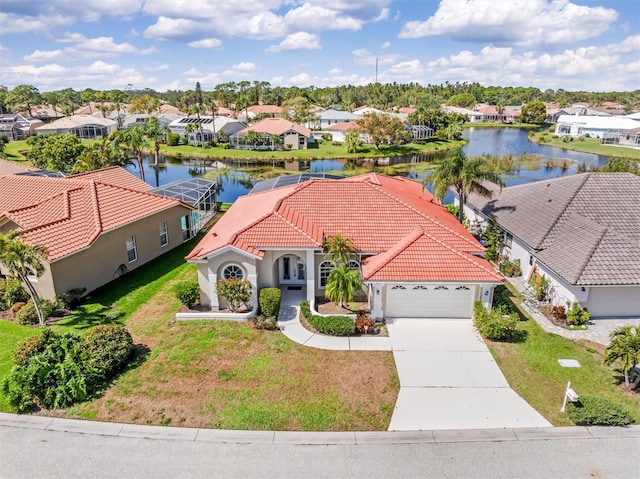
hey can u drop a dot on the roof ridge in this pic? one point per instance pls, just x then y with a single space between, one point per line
410 238
67 210
430 218
590 255
561 214
299 228
95 201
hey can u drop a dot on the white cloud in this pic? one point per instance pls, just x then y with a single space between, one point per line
385 45
297 41
86 48
206 43
11 23
362 56
524 22
335 71
43 56
163 67
244 69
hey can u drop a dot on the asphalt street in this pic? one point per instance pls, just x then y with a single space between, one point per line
42 453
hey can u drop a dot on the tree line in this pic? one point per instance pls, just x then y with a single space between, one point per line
238 95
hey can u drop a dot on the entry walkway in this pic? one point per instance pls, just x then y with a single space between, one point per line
289 323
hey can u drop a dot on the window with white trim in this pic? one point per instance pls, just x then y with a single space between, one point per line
233 271
132 252
164 234
324 270
508 240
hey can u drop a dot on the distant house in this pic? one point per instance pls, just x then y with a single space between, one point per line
339 131
628 138
581 232
594 126
86 127
330 117
255 111
95 226
142 118
210 128
365 109
17 127
293 136
472 116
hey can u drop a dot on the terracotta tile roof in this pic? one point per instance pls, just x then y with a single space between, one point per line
275 126
421 257
115 176
585 227
375 211
265 109
11 168
344 126
66 215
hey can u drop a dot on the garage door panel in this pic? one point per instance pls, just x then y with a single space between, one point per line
429 301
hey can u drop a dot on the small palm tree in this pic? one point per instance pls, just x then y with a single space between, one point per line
465 176
134 141
342 284
339 250
625 348
21 259
157 133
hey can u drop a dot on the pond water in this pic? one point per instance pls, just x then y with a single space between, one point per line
235 182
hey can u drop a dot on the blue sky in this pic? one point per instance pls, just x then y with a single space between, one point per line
591 45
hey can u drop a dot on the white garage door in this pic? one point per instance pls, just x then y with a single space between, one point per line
429 301
614 302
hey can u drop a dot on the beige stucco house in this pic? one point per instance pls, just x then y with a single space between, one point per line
95 226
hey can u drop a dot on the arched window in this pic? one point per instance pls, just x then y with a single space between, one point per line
323 272
354 265
420 287
398 287
440 288
462 288
233 271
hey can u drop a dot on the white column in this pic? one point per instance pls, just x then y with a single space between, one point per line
377 292
253 279
213 292
311 276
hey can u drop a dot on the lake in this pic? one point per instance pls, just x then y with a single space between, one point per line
481 141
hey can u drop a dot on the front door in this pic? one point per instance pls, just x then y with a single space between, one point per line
292 270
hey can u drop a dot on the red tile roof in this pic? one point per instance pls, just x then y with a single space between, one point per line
380 214
275 126
11 168
344 126
115 176
66 215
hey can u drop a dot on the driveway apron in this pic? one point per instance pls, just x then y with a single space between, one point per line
449 380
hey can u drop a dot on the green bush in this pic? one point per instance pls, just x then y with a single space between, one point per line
492 253
576 315
495 324
332 325
28 314
51 375
265 322
173 139
106 350
269 301
188 292
71 299
11 292
598 411
510 268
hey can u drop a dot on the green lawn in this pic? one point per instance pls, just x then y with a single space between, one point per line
532 369
10 335
586 145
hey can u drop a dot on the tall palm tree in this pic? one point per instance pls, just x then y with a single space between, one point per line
157 133
197 109
133 140
465 176
625 348
21 259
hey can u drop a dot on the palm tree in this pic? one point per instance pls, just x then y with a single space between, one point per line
342 283
625 348
464 176
134 141
22 260
197 109
157 133
102 154
339 250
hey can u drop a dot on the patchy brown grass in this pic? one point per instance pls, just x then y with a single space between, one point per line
230 375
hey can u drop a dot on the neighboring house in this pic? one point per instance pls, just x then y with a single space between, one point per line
327 118
86 127
294 136
415 259
628 138
209 125
95 226
339 131
142 118
45 112
12 168
582 232
17 127
472 116
255 111
594 126
365 110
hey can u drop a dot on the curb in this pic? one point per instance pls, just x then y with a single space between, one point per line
80 426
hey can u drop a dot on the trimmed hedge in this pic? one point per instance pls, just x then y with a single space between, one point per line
598 411
269 301
188 292
332 325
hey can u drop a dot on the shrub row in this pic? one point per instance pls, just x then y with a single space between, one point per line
496 325
332 325
57 370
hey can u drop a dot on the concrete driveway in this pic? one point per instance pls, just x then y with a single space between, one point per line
449 380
